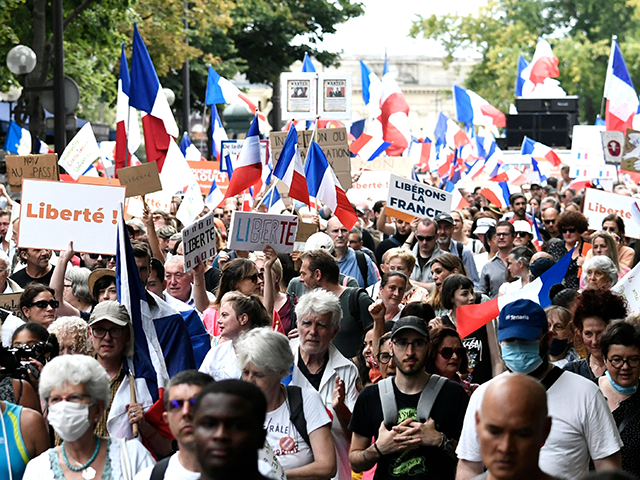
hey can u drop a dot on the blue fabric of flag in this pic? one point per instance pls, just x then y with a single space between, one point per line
14 135
357 128
287 153
144 80
620 67
505 192
125 78
464 110
440 131
552 277
185 142
522 64
366 82
315 168
307 64
214 92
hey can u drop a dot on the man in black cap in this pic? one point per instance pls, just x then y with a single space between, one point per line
415 417
447 244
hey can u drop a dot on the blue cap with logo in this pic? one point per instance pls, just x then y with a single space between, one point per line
523 320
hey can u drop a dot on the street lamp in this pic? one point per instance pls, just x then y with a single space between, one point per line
21 60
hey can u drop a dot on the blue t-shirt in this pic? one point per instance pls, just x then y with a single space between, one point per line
349 266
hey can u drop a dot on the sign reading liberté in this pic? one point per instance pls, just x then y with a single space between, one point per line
408 199
199 241
53 213
253 231
598 204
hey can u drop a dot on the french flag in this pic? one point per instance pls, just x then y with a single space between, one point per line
371 91
221 90
127 129
472 109
146 95
510 174
43 147
472 317
248 169
448 133
18 139
497 193
622 100
544 64
537 238
368 147
218 133
289 168
325 186
539 151
394 114
476 169
214 197
520 81
273 201
307 64
188 149
420 153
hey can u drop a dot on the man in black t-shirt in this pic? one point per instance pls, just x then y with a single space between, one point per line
411 449
38 269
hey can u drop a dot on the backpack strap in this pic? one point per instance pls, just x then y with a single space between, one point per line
395 241
362 266
296 411
551 377
428 396
460 247
354 305
388 402
159 469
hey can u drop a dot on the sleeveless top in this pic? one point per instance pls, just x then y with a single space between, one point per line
6 390
17 448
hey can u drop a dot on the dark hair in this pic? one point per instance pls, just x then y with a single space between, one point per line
619 332
573 219
563 297
418 309
232 273
31 291
187 377
515 196
377 207
615 218
251 306
602 304
451 285
325 262
251 394
505 223
174 250
488 236
449 262
522 254
141 249
156 265
288 268
35 328
437 338
389 275
102 283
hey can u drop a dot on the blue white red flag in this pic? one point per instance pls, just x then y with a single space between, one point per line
273 201
127 129
371 90
522 64
368 147
307 64
289 168
43 147
472 109
221 90
218 133
18 139
248 168
188 149
449 134
622 100
539 151
497 193
394 115
214 197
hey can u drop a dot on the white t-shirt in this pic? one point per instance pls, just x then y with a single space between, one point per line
174 471
287 444
508 287
582 426
221 362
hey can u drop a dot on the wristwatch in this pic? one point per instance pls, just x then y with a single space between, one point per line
447 445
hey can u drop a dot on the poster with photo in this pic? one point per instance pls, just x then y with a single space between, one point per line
299 92
335 96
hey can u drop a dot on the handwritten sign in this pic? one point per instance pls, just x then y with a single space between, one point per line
199 241
80 152
251 231
11 303
408 199
86 214
44 167
599 204
140 179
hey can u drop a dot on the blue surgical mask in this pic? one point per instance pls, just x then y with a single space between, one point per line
619 388
521 356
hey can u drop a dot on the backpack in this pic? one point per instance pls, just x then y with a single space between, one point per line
160 468
425 404
362 266
354 304
296 411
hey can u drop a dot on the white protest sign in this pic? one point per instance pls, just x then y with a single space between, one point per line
599 204
586 144
613 146
629 287
53 213
408 199
191 206
335 96
199 241
233 148
80 153
369 186
251 231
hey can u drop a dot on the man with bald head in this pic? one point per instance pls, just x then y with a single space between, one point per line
354 264
512 425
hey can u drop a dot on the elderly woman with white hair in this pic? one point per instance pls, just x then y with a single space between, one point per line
76 391
76 288
298 426
72 334
601 273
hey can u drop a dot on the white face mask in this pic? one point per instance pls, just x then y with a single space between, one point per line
69 420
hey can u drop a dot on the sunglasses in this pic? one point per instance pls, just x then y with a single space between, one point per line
44 304
218 215
253 278
521 234
610 229
178 404
548 222
95 256
447 352
423 238
568 230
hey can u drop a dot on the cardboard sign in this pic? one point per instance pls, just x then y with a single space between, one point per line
599 204
409 199
299 95
613 147
43 167
332 141
305 230
11 303
631 155
335 96
199 241
251 231
52 213
141 179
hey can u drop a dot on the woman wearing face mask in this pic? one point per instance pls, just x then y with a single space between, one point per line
76 391
620 345
594 312
518 262
561 349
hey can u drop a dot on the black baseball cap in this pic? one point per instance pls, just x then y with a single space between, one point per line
410 323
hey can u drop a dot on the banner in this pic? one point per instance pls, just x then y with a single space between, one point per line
629 287
408 199
206 172
140 179
251 231
53 213
199 241
599 204
43 167
80 153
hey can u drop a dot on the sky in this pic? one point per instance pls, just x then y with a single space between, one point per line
386 24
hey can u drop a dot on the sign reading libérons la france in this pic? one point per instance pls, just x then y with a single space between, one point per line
408 199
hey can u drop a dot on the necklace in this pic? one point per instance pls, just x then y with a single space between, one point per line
88 472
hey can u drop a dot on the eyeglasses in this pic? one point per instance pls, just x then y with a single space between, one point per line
447 352
95 256
618 362
178 404
115 332
610 229
522 234
384 358
503 234
416 344
568 230
67 285
423 238
549 222
253 278
217 215
73 398
44 304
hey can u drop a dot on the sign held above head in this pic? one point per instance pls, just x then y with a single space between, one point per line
409 199
251 231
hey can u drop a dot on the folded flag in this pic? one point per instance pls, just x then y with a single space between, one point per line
472 109
214 197
221 90
394 114
18 139
218 133
472 317
248 168
539 151
622 100
325 186
188 149
368 147
289 168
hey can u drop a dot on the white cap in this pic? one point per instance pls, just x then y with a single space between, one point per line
483 224
319 241
522 226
